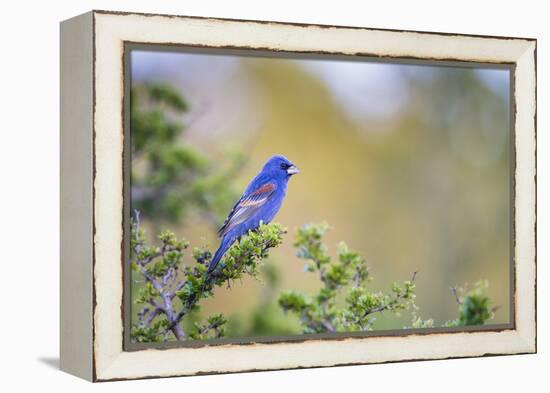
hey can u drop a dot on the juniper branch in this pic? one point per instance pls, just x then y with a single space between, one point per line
174 289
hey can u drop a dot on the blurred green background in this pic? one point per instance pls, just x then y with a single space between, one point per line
409 164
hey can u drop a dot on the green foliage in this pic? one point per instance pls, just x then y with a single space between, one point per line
345 277
168 177
345 304
418 322
213 328
173 289
473 306
152 333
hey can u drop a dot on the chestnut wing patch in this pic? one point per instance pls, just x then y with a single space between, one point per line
247 206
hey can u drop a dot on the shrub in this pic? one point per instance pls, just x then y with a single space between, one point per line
173 289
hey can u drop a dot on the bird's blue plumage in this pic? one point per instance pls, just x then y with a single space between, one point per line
260 202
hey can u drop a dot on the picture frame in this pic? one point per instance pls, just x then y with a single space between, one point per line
94 207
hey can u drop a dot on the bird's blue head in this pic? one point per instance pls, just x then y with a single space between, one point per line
280 167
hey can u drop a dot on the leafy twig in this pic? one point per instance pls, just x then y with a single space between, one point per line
347 277
174 289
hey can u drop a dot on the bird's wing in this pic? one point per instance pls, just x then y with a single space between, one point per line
247 206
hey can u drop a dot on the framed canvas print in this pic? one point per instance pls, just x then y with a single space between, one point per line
245 195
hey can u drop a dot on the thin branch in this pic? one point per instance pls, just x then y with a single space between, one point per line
384 307
141 315
495 309
167 307
146 320
328 325
167 286
455 293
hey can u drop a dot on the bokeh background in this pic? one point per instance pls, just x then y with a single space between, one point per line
409 164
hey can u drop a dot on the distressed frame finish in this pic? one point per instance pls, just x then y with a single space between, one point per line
92 189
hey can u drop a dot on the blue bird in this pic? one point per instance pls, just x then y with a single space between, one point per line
260 202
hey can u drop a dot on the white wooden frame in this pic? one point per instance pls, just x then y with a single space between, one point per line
92 119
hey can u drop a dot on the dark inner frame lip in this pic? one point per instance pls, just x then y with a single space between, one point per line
129 46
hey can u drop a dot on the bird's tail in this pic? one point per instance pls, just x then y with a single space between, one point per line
224 246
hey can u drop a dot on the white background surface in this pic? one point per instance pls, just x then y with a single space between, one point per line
29 197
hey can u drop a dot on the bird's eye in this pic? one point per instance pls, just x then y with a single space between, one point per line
285 166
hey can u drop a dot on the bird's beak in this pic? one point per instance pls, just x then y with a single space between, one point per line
292 170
